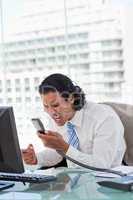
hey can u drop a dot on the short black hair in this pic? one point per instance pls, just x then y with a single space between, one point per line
64 85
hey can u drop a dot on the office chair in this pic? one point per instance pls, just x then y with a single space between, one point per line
125 112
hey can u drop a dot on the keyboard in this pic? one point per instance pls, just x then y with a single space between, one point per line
30 178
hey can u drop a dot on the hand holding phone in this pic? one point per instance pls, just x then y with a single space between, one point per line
38 125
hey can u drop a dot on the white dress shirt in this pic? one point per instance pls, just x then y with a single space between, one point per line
101 138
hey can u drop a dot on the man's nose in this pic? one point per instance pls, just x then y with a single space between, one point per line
52 110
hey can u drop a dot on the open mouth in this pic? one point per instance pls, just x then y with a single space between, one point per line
56 117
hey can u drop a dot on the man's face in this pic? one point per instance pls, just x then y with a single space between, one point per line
57 107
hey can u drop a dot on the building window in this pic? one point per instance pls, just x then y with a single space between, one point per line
27 89
27 99
26 80
17 81
9 100
36 80
18 99
8 82
8 89
37 99
18 89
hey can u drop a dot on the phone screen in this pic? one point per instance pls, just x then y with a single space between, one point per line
38 125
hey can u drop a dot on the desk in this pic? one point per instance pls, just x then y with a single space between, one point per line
70 185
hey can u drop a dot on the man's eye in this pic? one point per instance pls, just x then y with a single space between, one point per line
45 107
55 105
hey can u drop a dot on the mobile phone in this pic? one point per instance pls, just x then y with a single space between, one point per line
38 125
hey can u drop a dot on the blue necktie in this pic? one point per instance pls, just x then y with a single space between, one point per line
72 136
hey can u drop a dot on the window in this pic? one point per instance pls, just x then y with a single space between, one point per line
36 80
27 89
8 89
84 39
27 99
9 100
17 81
18 89
37 99
18 99
8 83
27 81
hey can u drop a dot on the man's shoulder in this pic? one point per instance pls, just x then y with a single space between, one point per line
99 111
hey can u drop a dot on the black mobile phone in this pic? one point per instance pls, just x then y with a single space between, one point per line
38 125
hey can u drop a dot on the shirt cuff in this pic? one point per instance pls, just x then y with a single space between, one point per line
40 159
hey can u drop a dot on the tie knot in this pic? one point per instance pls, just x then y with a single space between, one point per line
70 125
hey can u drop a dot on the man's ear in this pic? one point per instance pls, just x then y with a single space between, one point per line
71 99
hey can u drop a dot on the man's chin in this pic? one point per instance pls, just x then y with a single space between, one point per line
59 123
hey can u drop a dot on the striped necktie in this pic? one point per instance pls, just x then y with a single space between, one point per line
72 136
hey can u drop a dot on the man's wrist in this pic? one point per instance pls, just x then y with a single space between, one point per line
66 146
35 161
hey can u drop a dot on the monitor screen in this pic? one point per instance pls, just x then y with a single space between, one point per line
10 153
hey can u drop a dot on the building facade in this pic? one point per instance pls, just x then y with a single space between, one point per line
83 40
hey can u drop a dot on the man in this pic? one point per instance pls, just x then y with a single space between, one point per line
87 132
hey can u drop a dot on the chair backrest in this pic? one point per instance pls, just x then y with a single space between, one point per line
125 112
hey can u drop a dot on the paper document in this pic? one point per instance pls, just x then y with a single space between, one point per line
127 170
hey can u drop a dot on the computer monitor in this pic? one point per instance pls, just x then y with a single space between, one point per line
10 153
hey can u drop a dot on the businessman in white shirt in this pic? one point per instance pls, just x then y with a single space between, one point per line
96 137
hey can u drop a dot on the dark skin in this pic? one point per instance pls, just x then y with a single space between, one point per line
60 111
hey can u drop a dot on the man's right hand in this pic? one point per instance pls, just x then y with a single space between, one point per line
29 155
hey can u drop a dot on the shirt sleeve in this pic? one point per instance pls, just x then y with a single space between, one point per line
106 144
48 157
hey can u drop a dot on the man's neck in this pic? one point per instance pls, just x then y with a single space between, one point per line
72 115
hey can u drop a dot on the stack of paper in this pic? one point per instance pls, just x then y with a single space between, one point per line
127 170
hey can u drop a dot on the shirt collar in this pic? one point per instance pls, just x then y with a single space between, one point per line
77 119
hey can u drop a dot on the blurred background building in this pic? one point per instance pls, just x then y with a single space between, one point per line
90 41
